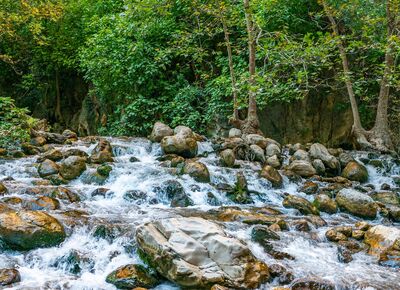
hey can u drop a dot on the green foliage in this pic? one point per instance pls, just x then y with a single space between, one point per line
14 124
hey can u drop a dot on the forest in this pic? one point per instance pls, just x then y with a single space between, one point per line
200 144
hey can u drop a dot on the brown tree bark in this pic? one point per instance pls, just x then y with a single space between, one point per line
252 123
59 117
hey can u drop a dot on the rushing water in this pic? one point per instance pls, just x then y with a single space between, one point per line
48 269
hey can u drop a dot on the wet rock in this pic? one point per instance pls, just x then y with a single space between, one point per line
105 232
394 212
272 175
48 167
384 243
319 166
299 203
228 157
72 167
212 199
272 149
9 276
102 153
53 155
335 236
293 177
131 276
235 133
64 193
344 255
160 130
325 204
362 225
29 149
274 161
309 187
183 131
319 151
135 195
231 143
38 141
70 135
176 193
262 235
101 191
302 168
396 180
385 186
4 207
258 153
44 203
344 159
28 230
312 284
134 159
240 192
104 170
197 170
357 234
356 203
56 179
54 138
355 171
180 145
386 197
376 163
75 152
280 272
74 262
3 189
301 225
256 140
196 253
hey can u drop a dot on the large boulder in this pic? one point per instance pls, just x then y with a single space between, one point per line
272 149
300 154
48 167
197 170
52 154
234 132
131 276
325 204
386 197
196 253
302 168
256 140
102 152
299 203
160 130
356 203
258 153
355 171
72 167
175 192
180 145
384 243
184 131
272 175
319 151
28 230
9 276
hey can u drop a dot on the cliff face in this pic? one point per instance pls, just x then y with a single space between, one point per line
325 119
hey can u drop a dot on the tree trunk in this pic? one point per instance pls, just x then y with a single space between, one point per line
231 70
58 114
380 133
357 130
252 124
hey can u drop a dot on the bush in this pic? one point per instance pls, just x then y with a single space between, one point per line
14 124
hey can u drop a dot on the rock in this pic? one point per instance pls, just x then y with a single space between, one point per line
180 145
325 204
274 161
70 135
101 191
29 149
386 197
240 192
384 243
44 203
280 272
256 140
3 189
272 175
356 203
309 187
300 155
302 168
227 157
38 141
344 159
9 276
131 276
396 180
196 253
72 167
385 186
299 203
197 170
183 131
74 262
176 193
235 133
47 168
319 151
394 212
104 170
28 230
65 194
75 152
357 234
54 138
135 195
344 255
53 155
102 153
258 153
312 283
272 149
262 235
301 225
160 130
319 166
231 143
355 171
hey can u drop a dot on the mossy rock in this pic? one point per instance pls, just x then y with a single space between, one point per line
131 276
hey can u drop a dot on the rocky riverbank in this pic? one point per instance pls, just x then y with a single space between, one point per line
178 211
